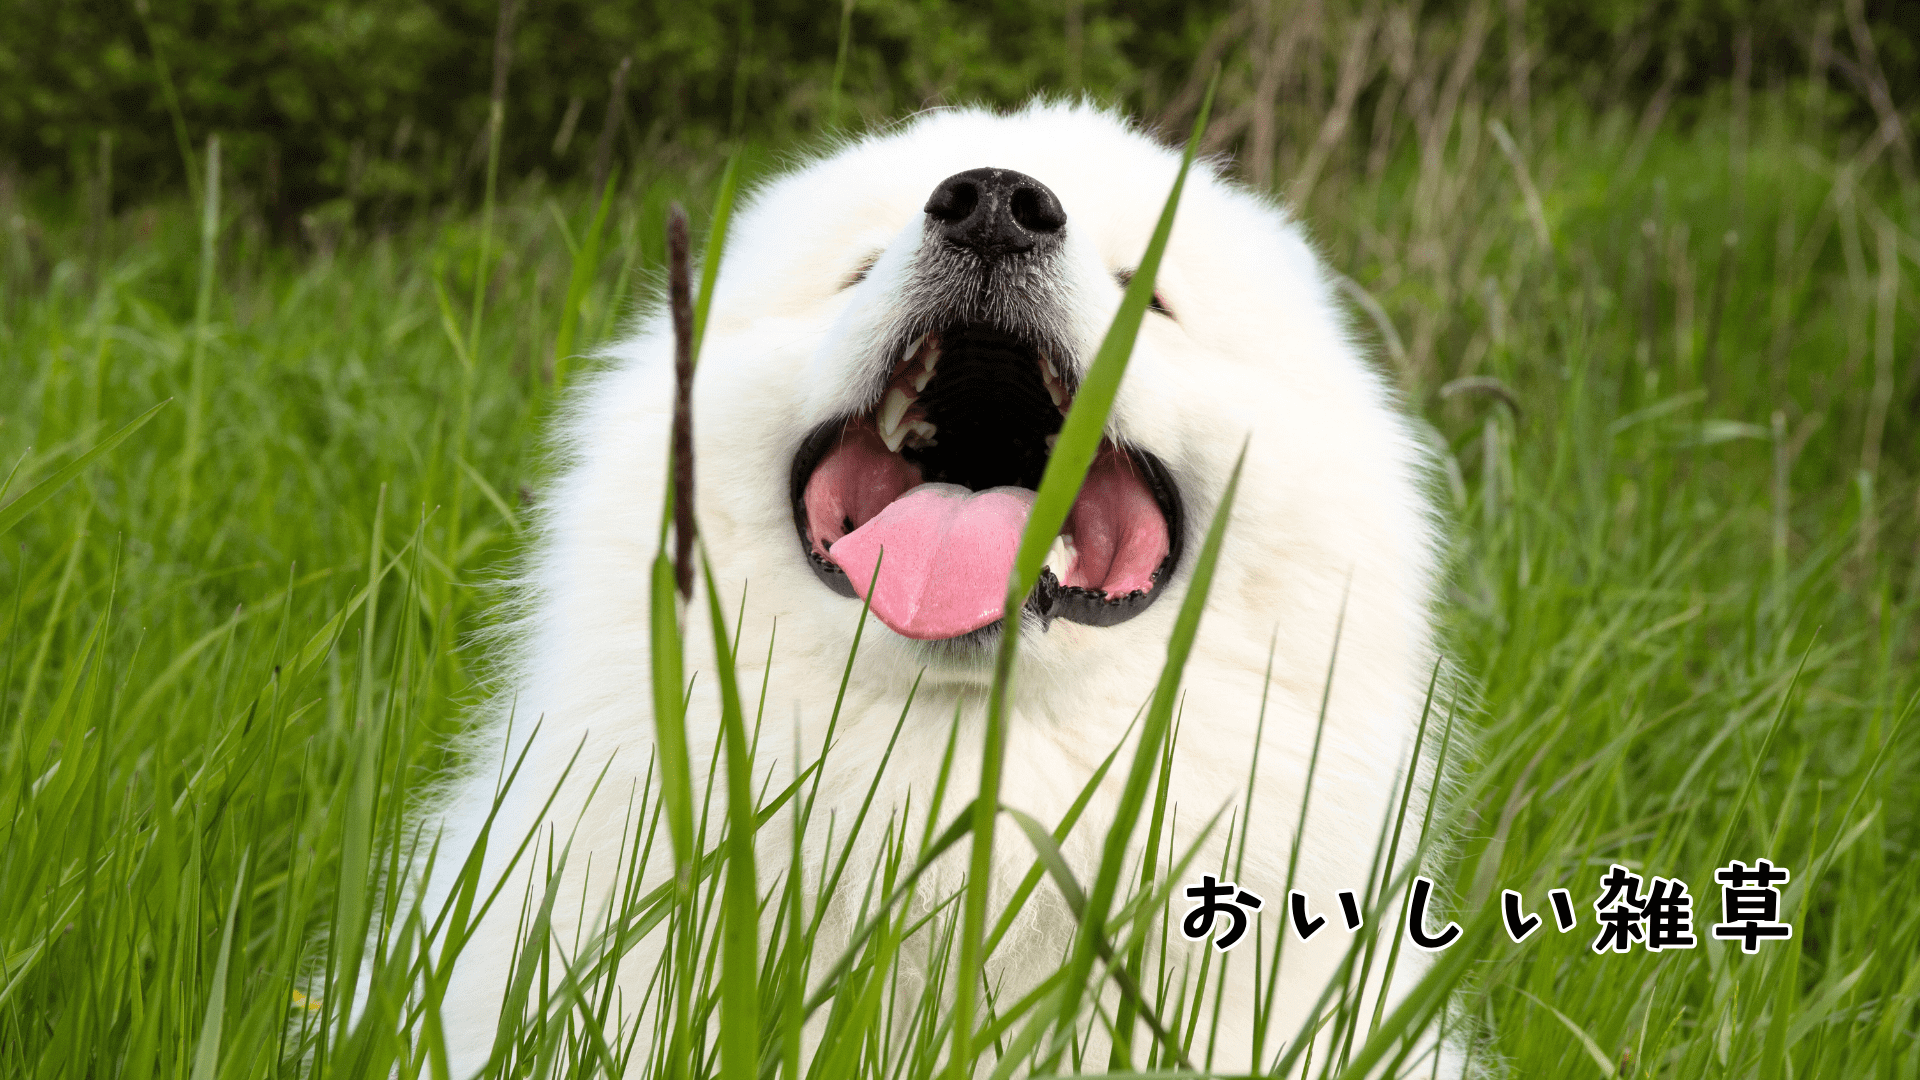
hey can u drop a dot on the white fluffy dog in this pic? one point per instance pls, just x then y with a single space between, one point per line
896 331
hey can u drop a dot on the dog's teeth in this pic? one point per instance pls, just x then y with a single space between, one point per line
1051 439
1050 378
891 411
920 434
1060 557
927 360
907 354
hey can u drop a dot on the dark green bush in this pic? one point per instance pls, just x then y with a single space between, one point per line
386 103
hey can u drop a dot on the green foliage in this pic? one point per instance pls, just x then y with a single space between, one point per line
376 108
384 104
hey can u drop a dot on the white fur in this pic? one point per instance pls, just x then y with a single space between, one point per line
1331 515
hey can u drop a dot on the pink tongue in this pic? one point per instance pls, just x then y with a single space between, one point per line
948 554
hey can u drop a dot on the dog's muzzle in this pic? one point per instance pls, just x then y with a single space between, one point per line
921 497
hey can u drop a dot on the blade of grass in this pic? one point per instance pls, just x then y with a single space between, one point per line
206 1053
740 912
1085 423
1424 1001
1141 912
1306 795
532 943
1120 1057
11 513
676 771
1067 464
1406 799
839 64
1070 891
716 246
359 793
1146 759
171 96
6 485
585 261
197 344
866 803
961 826
600 955
1720 846
1592 1048
1060 833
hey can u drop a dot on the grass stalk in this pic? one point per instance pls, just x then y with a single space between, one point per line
482 266
1080 436
586 261
740 964
197 341
840 64
171 96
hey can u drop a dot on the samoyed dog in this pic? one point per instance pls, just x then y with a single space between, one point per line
896 331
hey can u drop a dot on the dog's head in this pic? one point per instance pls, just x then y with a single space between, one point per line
899 328
973 347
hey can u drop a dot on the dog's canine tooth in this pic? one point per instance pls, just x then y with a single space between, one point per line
913 347
1050 378
891 410
1053 438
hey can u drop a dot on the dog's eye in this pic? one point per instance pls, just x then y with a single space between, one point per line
1125 278
860 273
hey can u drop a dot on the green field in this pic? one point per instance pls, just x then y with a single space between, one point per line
1672 364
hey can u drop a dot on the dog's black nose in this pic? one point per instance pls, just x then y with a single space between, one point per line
995 212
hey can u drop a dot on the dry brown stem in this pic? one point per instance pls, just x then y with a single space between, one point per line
680 300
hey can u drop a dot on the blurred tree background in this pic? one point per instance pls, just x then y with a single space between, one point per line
377 107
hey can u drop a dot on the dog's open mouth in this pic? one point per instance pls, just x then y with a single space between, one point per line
941 474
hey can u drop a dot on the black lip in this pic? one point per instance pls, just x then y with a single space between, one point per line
989 394
1051 600
812 449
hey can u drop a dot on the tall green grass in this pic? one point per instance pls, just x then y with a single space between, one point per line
1680 470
